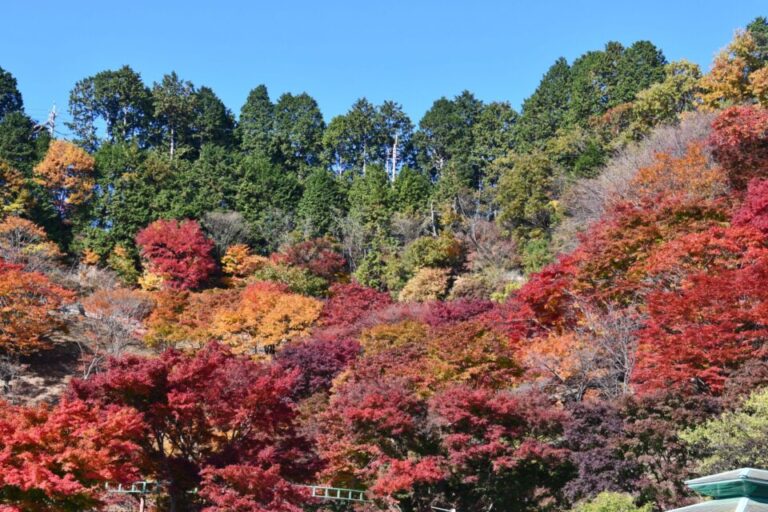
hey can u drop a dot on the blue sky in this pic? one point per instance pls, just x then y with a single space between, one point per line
411 51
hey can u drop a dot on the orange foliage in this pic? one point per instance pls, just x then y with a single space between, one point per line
67 172
388 336
239 262
266 314
14 196
692 175
26 301
24 242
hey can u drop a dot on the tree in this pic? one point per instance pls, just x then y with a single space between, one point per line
411 191
175 103
320 256
544 111
22 242
267 197
67 172
321 205
27 300
213 122
120 99
298 132
265 315
318 360
59 458
445 135
612 502
663 101
10 97
256 124
349 303
14 194
524 193
18 144
640 66
178 251
740 144
734 439
195 408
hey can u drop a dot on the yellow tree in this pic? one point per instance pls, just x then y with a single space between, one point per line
67 172
733 71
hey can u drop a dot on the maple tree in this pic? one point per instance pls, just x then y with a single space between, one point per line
349 302
27 300
320 256
194 408
178 251
67 172
59 458
740 143
24 242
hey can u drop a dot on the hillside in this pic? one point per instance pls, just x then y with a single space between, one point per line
564 308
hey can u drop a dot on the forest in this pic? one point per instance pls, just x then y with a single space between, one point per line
556 309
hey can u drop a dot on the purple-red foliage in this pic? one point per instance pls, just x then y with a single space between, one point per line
441 313
320 256
317 362
350 302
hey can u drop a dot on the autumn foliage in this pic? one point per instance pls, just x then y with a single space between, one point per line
177 251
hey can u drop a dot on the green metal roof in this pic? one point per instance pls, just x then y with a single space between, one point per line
726 505
745 482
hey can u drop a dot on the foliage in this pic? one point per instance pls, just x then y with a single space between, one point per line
612 502
193 406
58 458
739 143
426 285
734 439
177 251
27 301
67 173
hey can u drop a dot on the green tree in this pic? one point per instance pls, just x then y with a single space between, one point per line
17 140
736 439
445 136
175 103
640 66
213 123
411 191
10 97
524 194
544 111
353 140
208 184
321 204
369 200
612 502
758 28
256 124
298 132
267 197
494 132
120 99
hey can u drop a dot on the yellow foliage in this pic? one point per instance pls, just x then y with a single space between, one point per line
426 285
238 261
386 336
14 196
67 171
151 282
758 85
729 81
90 257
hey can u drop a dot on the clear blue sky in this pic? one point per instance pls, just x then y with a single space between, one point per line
411 51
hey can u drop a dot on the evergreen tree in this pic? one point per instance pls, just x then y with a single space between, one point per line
10 97
214 123
175 103
411 191
321 205
120 99
256 125
641 66
267 197
544 111
298 133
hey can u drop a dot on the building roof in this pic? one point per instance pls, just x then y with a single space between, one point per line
744 482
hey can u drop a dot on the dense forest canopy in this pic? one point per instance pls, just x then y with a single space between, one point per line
559 308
